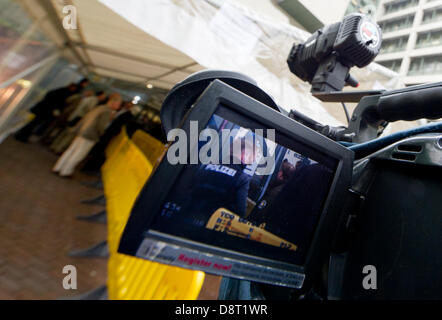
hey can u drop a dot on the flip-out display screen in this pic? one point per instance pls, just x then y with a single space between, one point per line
243 192
262 198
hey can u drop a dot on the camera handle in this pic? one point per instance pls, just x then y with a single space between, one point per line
377 108
334 133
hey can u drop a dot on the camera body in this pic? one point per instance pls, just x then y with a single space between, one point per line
324 212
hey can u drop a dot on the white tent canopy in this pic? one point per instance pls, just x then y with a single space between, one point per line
108 45
161 42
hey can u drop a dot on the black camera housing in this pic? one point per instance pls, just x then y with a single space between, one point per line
325 59
166 248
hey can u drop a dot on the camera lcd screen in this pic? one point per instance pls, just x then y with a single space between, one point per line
247 192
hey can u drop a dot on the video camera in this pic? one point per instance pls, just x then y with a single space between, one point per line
249 193
325 59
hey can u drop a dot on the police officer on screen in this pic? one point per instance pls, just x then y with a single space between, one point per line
205 188
298 204
284 174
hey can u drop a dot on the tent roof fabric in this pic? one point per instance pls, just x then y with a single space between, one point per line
110 46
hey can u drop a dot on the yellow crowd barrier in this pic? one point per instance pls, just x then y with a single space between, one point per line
124 173
151 147
116 143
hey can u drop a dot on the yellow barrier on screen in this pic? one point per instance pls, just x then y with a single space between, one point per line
223 220
124 173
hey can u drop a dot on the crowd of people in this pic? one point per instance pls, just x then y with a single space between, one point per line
77 124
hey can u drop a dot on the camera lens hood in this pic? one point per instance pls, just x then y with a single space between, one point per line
183 95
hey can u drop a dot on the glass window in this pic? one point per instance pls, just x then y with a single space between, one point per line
429 39
397 24
394 65
13 23
394 45
432 15
367 7
22 45
10 96
426 65
394 6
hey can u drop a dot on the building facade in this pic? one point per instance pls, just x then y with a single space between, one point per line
412 39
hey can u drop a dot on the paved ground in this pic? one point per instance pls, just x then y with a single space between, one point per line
38 228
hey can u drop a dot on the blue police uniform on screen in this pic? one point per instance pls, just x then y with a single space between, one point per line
206 188
202 189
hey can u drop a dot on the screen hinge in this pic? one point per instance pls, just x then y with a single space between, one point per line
349 219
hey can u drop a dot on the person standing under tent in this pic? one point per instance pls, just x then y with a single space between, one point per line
44 110
90 129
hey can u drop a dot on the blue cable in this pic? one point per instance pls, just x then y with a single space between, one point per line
364 149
